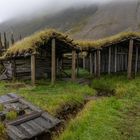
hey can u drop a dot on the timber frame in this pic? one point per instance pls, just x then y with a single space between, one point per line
122 56
42 57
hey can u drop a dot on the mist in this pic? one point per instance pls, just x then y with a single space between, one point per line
24 8
29 8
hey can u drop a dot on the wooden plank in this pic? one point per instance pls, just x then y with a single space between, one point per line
84 62
15 133
98 63
109 61
26 118
115 60
73 65
136 60
130 55
53 63
91 63
33 69
95 64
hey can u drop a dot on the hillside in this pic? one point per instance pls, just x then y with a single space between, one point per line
85 22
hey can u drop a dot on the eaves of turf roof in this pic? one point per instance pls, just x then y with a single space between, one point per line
30 44
99 44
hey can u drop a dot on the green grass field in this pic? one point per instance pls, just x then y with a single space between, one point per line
109 118
114 117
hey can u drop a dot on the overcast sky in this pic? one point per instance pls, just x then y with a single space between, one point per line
12 8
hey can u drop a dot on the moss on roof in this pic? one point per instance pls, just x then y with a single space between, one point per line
31 43
89 44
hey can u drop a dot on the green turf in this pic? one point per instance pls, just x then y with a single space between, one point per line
49 97
109 118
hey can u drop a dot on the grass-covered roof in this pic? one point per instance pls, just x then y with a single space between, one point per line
30 44
90 44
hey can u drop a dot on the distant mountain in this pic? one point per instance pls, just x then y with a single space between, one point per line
64 21
85 22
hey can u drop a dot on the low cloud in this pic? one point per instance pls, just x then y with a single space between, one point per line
14 8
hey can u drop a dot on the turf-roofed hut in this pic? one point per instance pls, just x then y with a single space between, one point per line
118 53
39 56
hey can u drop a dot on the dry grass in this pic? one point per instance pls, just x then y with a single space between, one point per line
108 40
31 43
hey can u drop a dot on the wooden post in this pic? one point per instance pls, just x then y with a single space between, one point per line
33 69
91 64
14 69
136 61
53 70
77 64
98 63
130 56
109 61
115 63
5 41
84 62
12 39
1 46
95 64
73 65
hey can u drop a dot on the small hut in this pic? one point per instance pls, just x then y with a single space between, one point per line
39 56
119 53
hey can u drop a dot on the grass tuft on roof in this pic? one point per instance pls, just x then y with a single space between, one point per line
89 44
31 43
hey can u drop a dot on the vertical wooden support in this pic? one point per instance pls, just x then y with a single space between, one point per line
20 37
53 70
91 64
109 60
136 60
14 69
130 56
77 64
5 41
1 46
73 65
95 64
84 62
12 39
33 69
115 63
98 63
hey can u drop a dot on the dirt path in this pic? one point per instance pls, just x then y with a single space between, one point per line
130 124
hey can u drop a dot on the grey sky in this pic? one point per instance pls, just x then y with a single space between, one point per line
13 8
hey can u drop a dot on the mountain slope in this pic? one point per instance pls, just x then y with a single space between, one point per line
85 22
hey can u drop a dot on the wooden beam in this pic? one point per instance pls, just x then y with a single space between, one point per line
136 60
73 65
130 56
33 69
53 70
91 64
5 41
109 60
77 64
115 63
1 46
98 63
12 39
95 63
14 69
84 62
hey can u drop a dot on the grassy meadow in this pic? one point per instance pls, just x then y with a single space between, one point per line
112 117
109 118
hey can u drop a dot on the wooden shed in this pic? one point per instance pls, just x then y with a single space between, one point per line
31 123
118 53
39 56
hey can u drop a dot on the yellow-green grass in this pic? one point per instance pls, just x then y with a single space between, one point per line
49 97
109 118
97 44
30 44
